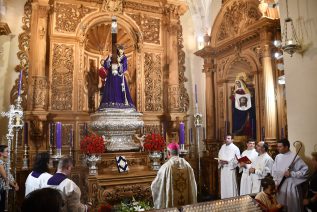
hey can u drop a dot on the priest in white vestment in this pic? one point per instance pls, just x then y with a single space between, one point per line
175 183
246 183
69 189
227 164
290 192
39 176
260 167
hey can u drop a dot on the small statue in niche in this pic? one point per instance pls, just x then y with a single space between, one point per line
92 80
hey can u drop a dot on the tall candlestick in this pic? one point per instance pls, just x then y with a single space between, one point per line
58 135
191 135
196 93
85 129
252 129
181 133
20 83
204 133
226 130
71 143
26 133
51 133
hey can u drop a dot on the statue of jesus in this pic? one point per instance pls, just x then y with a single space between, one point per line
116 93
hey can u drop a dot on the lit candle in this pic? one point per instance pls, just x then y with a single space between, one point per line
196 93
20 83
181 133
26 133
58 135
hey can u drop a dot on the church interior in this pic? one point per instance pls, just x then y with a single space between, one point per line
196 71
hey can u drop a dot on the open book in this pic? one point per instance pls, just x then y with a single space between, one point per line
244 159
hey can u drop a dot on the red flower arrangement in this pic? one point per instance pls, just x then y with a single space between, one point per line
92 144
154 142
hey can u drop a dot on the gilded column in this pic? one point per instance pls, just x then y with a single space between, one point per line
172 60
38 56
270 114
209 69
176 110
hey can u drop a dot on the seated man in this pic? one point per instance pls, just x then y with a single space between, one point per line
67 187
175 183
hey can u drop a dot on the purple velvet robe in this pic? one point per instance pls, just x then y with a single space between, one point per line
113 96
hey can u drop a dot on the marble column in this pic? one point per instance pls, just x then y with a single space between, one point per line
270 113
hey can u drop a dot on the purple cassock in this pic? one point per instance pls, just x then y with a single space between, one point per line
113 93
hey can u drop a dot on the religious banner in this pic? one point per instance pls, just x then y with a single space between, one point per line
243 101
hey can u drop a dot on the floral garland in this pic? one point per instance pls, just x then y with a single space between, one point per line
154 142
92 144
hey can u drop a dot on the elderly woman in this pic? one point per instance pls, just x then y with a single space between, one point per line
311 201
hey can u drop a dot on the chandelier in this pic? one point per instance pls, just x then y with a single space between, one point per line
290 43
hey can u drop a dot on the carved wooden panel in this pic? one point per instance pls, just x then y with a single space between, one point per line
40 90
153 82
68 16
237 18
150 27
184 97
173 98
112 6
142 7
62 77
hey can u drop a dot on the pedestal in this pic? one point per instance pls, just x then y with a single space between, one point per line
118 126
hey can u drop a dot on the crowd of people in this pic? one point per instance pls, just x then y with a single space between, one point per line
278 184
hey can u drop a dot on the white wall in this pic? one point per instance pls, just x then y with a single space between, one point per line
301 75
13 14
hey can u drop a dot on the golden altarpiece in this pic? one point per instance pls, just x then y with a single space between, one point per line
61 46
240 47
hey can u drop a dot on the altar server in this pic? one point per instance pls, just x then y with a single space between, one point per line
39 175
227 164
246 183
68 188
260 167
290 192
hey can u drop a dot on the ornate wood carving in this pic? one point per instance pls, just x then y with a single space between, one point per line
153 82
173 98
152 128
117 193
68 16
62 77
150 27
142 7
23 55
4 28
112 6
184 98
237 18
40 90
66 129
